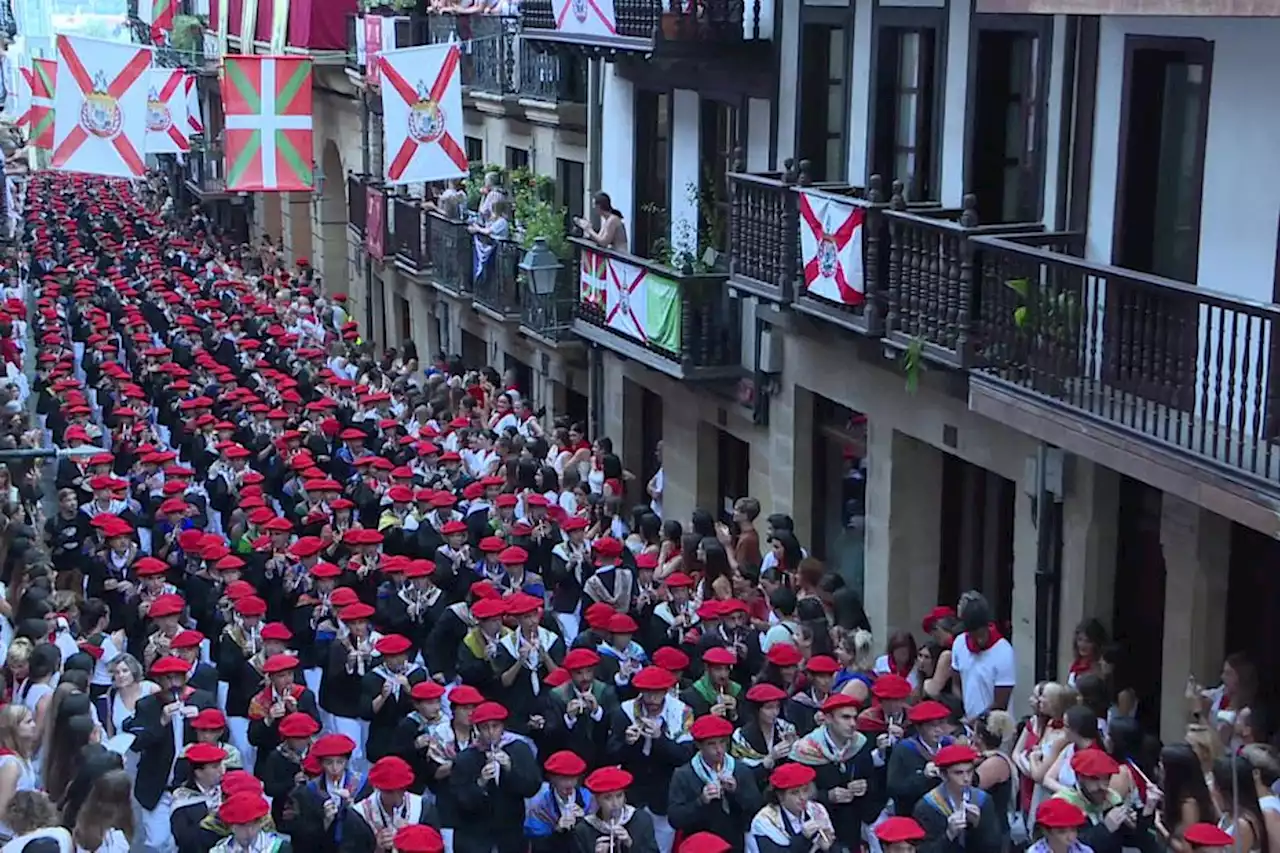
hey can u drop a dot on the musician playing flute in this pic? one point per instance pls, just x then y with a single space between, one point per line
615 826
490 780
713 792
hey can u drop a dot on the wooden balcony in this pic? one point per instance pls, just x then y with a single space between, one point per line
685 325
356 204
770 216
205 174
931 300
1168 8
1157 370
313 28
449 248
664 28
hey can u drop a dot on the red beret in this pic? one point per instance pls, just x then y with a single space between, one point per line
653 678
891 686
580 659
244 808
1057 813
488 712
391 773
928 711
1198 834
792 776
608 780
1095 763
897 830
565 763
416 837
955 753
710 726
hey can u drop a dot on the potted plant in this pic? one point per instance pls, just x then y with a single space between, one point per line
1046 333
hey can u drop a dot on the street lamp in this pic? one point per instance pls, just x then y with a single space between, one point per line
541 268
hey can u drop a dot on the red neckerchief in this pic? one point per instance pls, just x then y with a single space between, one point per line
903 670
1079 666
1055 724
1224 704
993 636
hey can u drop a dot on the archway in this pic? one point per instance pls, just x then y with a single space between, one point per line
333 221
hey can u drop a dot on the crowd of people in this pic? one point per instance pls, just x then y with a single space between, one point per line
295 596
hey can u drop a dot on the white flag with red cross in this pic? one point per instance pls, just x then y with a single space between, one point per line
195 115
422 114
100 107
167 112
831 248
586 18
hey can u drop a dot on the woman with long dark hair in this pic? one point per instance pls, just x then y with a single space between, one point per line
717 574
1237 799
1186 796
104 823
900 657
1090 638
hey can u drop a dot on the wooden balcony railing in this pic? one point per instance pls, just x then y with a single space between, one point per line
550 75
686 325
355 203
1184 366
205 173
842 278
497 288
407 240
644 24
449 247
550 315
931 297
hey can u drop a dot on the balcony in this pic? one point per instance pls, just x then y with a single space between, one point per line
407 237
497 287
685 325
1191 373
548 317
205 176
1213 8
488 50
691 29
313 28
449 249
356 204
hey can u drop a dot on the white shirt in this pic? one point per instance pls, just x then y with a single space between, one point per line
982 673
657 483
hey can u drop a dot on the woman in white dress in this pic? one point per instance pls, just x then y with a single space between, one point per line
105 823
35 693
17 745
127 687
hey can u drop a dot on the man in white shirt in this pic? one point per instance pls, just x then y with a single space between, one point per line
984 660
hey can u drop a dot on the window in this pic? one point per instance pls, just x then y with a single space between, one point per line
517 158
570 187
823 105
908 79
718 137
404 313
474 146
1007 96
652 172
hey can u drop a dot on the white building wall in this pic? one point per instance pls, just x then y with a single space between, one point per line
1060 78
788 79
859 87
954 104
618 143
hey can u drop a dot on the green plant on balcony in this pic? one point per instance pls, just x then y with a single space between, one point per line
188 34
475 181
1046 324
688 250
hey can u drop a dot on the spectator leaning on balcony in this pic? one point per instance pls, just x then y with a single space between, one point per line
490 194
613 231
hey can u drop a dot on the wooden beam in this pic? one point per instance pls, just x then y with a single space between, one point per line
1209 8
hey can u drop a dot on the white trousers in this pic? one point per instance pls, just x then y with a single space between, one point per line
238 734
156 831
358 731
662 832
570 624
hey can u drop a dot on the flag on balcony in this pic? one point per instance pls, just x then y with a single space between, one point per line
375 222
641 304
593 275
100 110
44 72
586 17
831 248
22 98
422 114
195 115
159 14
267 101
374 39
167 112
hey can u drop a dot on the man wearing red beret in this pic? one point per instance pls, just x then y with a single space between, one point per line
957 815
714 792
490 780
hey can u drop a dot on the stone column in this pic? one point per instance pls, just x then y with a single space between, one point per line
1197 554
1090 517
903 545
1025 558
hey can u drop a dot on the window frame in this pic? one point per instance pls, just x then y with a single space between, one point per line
909 19
1041 26
839 19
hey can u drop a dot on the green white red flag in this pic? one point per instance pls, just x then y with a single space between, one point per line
44 73
159 14
267 102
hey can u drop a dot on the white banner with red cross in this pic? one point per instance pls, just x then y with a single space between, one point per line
586 18
100 107
195 113
167 112
831 248
422 114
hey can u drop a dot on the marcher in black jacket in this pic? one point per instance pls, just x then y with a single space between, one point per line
713 792
490 780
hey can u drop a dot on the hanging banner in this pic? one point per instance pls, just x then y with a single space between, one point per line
21 112
372 47
267 102
594 18
159 14
100 110
831 248
167 112
637 303
195 111
44 73
422 114
375 222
